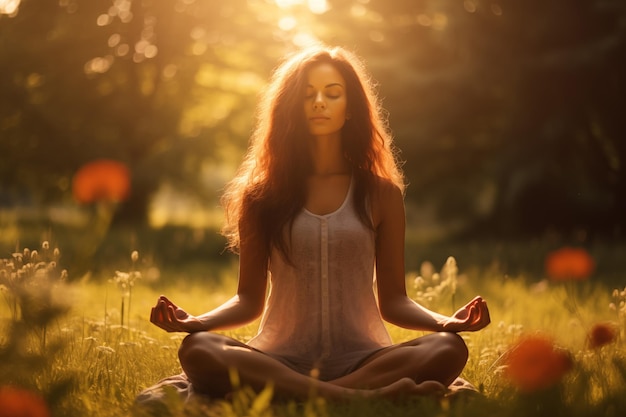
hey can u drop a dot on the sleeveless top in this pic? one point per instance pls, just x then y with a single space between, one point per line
322 312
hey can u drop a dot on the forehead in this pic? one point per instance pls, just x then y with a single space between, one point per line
324 74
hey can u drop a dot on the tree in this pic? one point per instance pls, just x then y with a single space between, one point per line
156 85
507 113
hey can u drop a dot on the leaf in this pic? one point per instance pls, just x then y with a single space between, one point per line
263 400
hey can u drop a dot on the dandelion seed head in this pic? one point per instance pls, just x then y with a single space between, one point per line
56 253
427 269
34 255
134 256
45 245
419 282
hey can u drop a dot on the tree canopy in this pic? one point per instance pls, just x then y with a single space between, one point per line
508 114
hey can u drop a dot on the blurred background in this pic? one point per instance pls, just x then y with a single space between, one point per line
509 116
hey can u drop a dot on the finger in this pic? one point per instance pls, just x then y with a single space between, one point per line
171 314
162 311
477 316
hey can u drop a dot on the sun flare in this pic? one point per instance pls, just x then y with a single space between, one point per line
315 6
9 6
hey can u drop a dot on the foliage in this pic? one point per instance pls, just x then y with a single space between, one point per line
106 354
154 85
496 105
33 287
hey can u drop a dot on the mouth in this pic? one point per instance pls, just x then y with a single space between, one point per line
318 118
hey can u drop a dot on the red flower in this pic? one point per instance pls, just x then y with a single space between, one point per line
601 334
101 180
569 264
18 402
535 363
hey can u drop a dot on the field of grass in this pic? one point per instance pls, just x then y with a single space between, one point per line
88 348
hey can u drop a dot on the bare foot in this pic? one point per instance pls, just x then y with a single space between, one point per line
406 387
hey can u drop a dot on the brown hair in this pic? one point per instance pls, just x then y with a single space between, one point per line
270 187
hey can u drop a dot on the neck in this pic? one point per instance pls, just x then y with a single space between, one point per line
327 156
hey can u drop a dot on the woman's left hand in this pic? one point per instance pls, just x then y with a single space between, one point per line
469 318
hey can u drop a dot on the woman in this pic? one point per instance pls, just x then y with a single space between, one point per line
317 211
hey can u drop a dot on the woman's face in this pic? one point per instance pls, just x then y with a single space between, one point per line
325 103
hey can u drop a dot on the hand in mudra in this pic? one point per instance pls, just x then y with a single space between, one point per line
469 318
171 318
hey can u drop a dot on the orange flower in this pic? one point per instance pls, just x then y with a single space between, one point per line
17 402
101 180
569 264
535 363
601 334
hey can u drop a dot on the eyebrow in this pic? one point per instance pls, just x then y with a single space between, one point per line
328 85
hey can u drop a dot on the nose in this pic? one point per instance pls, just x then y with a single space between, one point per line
319 103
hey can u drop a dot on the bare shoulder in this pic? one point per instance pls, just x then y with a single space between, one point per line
387 200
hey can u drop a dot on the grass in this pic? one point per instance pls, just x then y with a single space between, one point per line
89 350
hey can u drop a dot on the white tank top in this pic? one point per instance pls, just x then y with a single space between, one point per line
322 310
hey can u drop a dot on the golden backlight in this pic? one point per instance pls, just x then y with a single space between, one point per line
9 6
315 6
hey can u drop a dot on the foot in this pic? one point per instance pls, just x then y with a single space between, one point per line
406 387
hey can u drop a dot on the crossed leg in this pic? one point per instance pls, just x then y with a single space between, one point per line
436 357
418 367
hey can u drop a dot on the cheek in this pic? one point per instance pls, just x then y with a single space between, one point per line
342 108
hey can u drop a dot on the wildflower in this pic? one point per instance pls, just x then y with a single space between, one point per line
534 363
105 349
101 180
601 334
20 402
569 264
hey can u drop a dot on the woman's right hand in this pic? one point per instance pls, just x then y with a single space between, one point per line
171 318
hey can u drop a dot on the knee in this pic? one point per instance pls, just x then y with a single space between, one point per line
453 347
448 348
196 347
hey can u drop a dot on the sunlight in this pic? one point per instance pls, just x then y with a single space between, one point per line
298 19
315 6
9 6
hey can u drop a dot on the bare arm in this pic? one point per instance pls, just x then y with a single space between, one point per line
244 307
395 305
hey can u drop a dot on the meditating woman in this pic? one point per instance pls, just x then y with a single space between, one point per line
317 212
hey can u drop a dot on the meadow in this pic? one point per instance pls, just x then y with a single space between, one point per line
86 348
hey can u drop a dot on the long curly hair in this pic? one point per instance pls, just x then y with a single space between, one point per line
269 189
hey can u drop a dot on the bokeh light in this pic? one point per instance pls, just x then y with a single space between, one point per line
101 180
535 363
9 7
